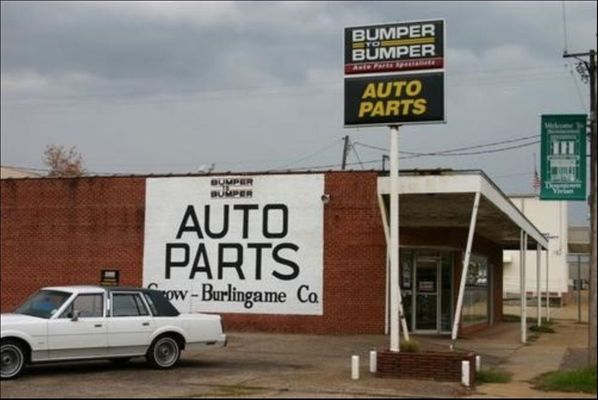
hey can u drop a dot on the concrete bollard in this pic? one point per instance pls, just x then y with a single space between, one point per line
355 367
373 361
478 363
465 373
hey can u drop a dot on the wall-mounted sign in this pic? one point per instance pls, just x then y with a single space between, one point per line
109 277
426 287
236 244
563 160
394 74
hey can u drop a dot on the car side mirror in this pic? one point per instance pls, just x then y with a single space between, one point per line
76 314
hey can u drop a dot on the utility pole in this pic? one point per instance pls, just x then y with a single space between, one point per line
345 151
590 67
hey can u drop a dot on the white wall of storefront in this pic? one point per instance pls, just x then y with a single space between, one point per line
551 218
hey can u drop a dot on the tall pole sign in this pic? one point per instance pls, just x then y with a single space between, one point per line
394 75
563 163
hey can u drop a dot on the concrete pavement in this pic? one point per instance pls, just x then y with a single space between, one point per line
502 349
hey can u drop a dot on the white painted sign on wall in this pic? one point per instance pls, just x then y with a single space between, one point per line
236 244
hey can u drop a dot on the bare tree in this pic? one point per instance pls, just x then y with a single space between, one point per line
62 162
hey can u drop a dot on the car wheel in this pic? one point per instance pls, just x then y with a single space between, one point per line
164 352
12 357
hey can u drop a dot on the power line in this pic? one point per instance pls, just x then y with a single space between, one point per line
357 155
314 153
577 87
477 152
419 155
449 151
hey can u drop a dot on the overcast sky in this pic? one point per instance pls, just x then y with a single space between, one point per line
252 86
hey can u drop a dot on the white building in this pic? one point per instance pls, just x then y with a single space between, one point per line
15 172
551 218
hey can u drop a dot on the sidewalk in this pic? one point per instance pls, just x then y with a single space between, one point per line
501 348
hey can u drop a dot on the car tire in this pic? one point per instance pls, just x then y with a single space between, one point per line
164 352
13 359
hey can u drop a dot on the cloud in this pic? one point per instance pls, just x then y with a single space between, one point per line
168 86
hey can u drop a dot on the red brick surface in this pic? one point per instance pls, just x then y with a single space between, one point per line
65 231
440 366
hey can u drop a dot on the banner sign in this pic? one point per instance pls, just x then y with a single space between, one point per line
247 244
382 100
394 74
563 159
394 47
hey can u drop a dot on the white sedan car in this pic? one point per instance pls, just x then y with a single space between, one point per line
91 322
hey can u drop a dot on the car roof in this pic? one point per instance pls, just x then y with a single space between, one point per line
95 288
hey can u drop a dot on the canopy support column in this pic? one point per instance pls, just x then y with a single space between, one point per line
522 288
459 307
538 292
547 284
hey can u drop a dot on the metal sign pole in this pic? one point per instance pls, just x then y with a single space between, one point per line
579 288
548 283
538 291
394 238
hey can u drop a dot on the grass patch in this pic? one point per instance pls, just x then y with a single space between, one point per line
411 346
541 329
575 380
493 375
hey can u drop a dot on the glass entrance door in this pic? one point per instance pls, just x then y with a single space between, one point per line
426 293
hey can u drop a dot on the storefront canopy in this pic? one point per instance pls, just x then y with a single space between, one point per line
445 198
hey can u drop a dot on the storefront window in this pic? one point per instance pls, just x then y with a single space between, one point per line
477 289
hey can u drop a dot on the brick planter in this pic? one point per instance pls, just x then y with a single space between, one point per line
427 365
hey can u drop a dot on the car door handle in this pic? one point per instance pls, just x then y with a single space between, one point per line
145 324
97 326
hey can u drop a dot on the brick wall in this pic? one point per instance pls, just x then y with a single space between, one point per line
65 231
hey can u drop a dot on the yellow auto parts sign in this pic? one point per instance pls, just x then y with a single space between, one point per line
384 100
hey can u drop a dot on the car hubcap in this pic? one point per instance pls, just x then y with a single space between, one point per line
12 360
166 352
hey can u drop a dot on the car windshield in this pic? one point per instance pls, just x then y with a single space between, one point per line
43 304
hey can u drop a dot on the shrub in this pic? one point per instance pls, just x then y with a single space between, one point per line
411 346
575 380
493 376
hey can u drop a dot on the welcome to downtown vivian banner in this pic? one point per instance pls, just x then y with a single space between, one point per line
563 157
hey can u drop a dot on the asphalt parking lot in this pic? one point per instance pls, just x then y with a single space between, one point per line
306 366
252 365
